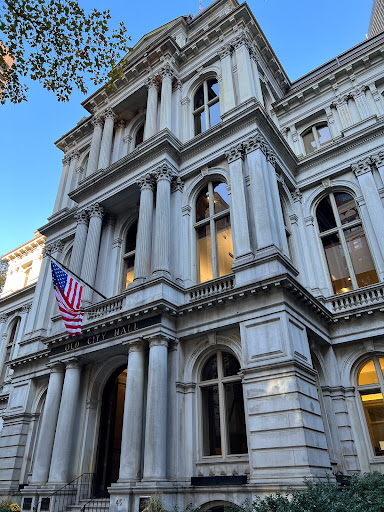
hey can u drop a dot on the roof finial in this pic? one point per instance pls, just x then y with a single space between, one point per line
200 6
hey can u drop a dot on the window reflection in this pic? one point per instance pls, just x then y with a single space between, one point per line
315 137
206 106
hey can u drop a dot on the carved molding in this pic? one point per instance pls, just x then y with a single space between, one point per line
96 210
97 121
146 182
109 113
26 308
297 196
234 153
3 318
225 51
151 81
167 71
164 172
53 247
177 185
362 166
82 217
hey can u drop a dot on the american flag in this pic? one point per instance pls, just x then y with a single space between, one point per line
68 295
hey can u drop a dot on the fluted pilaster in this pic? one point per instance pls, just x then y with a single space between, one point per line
166 97
106 141
94 152
163 217
144 230
151 115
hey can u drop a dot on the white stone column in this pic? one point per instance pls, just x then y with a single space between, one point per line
363 172
162 219
256 161
343 111
105 270
186 120
355 114
71 180
91 251
151 117
126 146
227 100
337 125
131 439
155 450
80 241
64 430
275 194
166 97
256 76
114 284
144 229
244 70
316 270
46 439
176 108
94 152
377 99
60 192
118 142
378 159
239 214
106 141
333 128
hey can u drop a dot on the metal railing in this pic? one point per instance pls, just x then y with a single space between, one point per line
80 488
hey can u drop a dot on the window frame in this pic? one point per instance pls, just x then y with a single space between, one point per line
211 221
205 107
339 230
126 255
9 348
369 389
314 128
220 381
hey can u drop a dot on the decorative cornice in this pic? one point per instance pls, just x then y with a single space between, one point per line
96 210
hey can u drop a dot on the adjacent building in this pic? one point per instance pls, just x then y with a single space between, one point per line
234 220
376 22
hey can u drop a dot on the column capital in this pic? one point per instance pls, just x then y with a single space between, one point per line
164 172
127 138
56 367
110 220
136 346
255 142
74 155
121 125
234 153
167 71
66 159
177 185
177 86
158 341
358 90
362 166
3 318
95 210
109 113
73 364
146 182
26 308
81 217
97 121
297 196
56 246
225 50
116 243
240 40
151 81
378 158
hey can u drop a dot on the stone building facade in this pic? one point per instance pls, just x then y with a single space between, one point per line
234 220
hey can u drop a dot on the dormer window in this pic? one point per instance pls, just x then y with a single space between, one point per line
315 137
206 106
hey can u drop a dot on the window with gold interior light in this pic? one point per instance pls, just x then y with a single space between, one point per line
213 232
129 254
346 249
370 384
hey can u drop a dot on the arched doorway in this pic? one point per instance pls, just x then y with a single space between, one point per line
111 425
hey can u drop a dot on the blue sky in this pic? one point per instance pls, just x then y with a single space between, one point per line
303 34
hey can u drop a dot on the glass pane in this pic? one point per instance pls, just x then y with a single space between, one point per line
130 243
139 136
130 264
204 254
324 215
220 197
374 413
213 89
214 114
324 134
337 264
347 208
309 142
234 407
200 123
231 365
367 374
199 98
381 361
209 371
202 205
361 257
211 420
224 247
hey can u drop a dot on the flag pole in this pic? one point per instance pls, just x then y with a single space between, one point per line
77 277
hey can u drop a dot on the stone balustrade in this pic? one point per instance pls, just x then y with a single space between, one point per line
105 308
357 299
211 288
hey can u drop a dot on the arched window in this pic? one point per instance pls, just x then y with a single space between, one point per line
370 384
129 254
206 106
213 232
139 136
222 407
345 246
315 137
